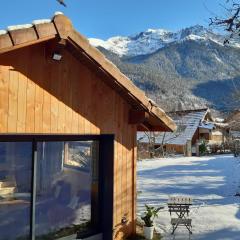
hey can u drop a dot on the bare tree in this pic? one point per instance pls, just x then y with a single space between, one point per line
231 21
156 141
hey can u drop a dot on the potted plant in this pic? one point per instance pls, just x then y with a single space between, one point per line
148 217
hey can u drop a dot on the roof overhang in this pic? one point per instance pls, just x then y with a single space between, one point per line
151 117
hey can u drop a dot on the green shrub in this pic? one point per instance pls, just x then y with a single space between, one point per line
202 148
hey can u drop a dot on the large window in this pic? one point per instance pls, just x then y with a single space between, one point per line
65 181
49 186
15 190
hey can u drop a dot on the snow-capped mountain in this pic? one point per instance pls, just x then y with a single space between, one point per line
190 68
153 39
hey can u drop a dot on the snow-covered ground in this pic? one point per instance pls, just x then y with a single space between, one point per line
212 182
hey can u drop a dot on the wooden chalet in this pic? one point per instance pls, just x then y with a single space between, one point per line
68 124
193 126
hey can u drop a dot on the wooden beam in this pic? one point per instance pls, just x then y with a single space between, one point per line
63 25
138 117
25 35
45 29
5 41
11 48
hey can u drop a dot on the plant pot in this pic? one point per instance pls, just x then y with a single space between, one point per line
148 232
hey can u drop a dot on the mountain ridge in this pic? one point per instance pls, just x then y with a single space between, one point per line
190 68
151 40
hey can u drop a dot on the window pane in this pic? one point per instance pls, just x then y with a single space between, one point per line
15 190
67 188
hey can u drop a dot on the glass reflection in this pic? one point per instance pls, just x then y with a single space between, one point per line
15 190
67 180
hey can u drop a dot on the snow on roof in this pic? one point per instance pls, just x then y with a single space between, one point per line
24 26
17 27
207 125
187 123
219 120
58 13
2 32
221 125
41 21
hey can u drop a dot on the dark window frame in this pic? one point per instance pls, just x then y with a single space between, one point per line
106 175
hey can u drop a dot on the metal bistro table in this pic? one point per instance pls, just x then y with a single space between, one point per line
180 206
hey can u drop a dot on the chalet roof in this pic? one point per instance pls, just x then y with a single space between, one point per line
60 28
207 125
187 122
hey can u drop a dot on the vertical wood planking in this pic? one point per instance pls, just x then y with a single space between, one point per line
22 103
54 101
4 81
38 73
30 114
115 160
117 182
38 124
12 100
134 174
129 173
68 94
46 112
46 95
94 103
87 94
81 92
76 98
61 71
124 161
120 165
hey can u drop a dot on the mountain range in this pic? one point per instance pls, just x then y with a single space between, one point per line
187 69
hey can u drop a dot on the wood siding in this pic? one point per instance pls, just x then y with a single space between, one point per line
39 95
180 149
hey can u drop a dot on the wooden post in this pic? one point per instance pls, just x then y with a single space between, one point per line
189 148
197 149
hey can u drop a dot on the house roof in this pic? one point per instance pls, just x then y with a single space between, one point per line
187 122
61 29
207 125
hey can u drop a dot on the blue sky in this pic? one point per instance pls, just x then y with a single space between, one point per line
106 18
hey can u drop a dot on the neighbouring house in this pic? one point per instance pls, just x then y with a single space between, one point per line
193 126
68 124
233 121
